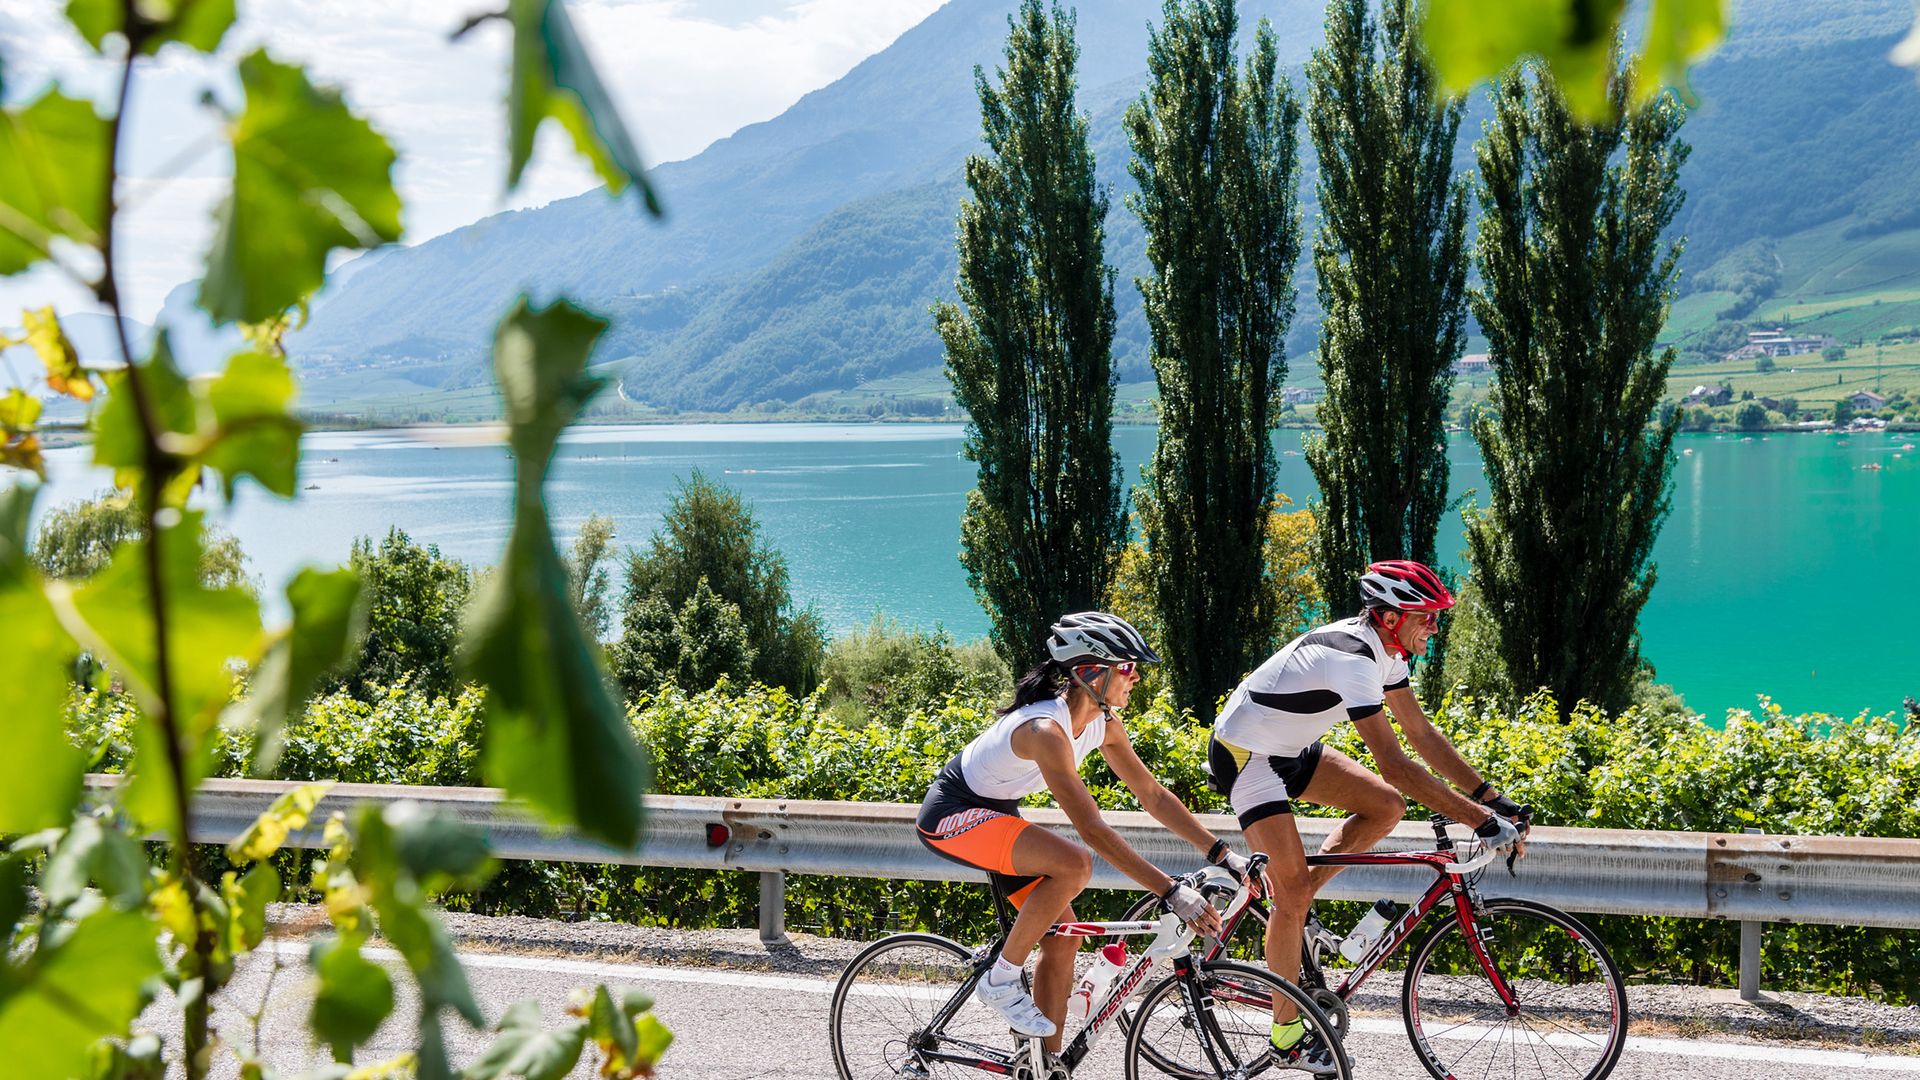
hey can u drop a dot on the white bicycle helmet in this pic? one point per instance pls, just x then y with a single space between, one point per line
1095 637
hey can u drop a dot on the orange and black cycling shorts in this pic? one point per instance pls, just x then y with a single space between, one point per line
955 823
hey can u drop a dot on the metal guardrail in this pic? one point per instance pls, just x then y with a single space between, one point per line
1844 881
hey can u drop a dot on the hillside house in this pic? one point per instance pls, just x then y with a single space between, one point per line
1778 343
1301 395
1473 364
1867 401
1709 395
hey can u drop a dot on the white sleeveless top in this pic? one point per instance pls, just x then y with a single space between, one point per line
994 771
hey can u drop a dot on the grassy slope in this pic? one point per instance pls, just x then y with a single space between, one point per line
1812 381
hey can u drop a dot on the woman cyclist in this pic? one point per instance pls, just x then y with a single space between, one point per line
1061 710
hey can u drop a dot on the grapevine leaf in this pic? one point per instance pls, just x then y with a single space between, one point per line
19 446
1472 40
118 437
308 177
327 625
73 990
247 899
197 24
527 1048
630 1038
255 434
1679 33
400 904
556 734
40 770
49 342
93 853
112 615
354 996
288 814
553 77
53 157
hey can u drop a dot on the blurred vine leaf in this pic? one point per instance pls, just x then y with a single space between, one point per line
400 856
19 442
631 1039
254 433
119 439
40 771
53 159
238 423
327 625
553 77
288 814
353 997
308 177
526 1048
82 983
197 24
556 733
1469 41
112 616
50 343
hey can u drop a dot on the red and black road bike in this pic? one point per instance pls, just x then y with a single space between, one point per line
1492 987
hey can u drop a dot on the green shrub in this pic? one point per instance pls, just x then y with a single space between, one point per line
1653 767
887 670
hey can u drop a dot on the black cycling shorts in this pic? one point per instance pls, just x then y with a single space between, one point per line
1260 786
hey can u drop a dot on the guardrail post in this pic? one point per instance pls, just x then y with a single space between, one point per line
773 907
1750 956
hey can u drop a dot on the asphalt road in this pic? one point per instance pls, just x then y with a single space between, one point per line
735 1025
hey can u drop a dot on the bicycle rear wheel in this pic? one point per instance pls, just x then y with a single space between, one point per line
1571 1018
883 1010
1173 1033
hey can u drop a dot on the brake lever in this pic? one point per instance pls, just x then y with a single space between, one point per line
1526 826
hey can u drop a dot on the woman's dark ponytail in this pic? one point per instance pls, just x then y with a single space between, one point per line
1044 683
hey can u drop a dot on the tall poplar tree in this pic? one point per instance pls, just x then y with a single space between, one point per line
1577 282
1029 348
1216 161
1391 259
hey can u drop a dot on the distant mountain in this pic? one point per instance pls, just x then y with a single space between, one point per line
801 254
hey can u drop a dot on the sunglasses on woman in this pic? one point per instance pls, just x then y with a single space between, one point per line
1124 667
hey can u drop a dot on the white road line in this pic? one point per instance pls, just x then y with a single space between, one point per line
1772 1053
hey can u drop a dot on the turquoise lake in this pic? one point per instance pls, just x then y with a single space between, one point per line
1782 562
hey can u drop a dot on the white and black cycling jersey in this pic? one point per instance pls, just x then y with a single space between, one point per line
1337 672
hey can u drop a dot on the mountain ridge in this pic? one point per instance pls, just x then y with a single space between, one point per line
727 304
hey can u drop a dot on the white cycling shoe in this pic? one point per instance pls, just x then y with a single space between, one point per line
1017 1007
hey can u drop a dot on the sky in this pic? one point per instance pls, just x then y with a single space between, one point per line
685 73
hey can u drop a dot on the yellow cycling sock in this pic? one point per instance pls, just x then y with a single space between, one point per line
1285 1035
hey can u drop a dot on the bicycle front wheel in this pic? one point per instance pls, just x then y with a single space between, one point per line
886 1010
1570 1017
1217 1025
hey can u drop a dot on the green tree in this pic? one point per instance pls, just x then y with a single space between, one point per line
708 556
1833 352
1843 412
1577 280
1391 259
1764 364
1216 162
77 540
413 597
587 578
1029 348
1751 416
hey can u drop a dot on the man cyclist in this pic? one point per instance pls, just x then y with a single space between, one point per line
1266 751
1061 710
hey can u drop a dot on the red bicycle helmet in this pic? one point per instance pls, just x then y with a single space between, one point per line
1403 585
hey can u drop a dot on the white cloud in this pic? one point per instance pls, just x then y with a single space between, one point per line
685 72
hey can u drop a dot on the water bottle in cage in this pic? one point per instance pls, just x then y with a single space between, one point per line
1368 930
1108 963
